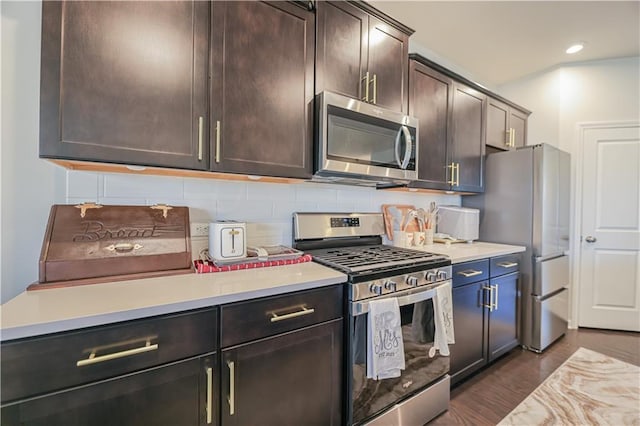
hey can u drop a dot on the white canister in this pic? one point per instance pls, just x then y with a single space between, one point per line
402 239
227 240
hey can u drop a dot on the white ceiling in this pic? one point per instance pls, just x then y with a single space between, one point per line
501 41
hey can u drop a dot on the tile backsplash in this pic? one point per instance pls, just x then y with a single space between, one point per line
266 207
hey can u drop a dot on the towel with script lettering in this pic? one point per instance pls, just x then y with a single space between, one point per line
385 348
443 313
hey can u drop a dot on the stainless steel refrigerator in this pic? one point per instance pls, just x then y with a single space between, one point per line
526 202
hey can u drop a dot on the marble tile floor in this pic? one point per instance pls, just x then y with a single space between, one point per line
490 395
588 389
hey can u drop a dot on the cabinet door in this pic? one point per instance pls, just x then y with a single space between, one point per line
262 88
388 64
469 353
518 124
182 393
497 124
125 82
503 319
430 96
290 379
468 123
341 56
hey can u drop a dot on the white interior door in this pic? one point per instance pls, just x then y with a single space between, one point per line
609 280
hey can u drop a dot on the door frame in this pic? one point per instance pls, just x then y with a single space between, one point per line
576 242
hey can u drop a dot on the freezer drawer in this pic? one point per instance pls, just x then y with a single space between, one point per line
550 275
550 316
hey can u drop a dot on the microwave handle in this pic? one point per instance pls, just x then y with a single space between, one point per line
404 130
408 149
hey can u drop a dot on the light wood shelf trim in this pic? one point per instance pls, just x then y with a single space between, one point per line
88 166
429 191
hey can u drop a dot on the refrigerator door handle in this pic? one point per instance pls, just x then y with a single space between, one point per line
539 259
550 295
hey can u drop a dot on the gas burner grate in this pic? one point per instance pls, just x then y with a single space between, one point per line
365 258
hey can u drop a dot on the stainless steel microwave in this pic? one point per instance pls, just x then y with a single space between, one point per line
360 143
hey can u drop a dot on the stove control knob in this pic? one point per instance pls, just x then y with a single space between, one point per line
412 281
442 275
390 285
430 276
375 289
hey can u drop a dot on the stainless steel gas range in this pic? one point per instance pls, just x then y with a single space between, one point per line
352 243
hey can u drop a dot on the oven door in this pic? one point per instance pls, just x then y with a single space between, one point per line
422 366
356 138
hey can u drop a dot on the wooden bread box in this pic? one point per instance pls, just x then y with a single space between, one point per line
91 243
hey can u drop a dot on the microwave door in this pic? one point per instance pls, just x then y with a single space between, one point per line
363 141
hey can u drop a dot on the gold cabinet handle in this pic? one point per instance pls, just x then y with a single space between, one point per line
200 132
275 317
232 387
507 137
507 264
93 359
512 141
452 166
457 174
209 395
217 153
366 86
374 80
469 273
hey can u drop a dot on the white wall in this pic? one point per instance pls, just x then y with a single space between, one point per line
30 185
606 90
561 98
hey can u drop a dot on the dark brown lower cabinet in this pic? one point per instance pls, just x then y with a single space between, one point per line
179 393
485 313
288 379
503 320
469 353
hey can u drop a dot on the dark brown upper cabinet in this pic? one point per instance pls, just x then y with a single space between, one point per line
362 53
468 118
506 125
125 82
451 130
262 56
430 101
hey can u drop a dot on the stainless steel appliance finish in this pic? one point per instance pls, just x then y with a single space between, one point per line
351 243
424 405
307 226
360 143
551 313
526 202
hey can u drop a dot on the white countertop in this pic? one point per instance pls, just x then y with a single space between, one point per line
52 310
464 252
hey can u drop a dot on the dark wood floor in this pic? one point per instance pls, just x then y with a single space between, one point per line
489 396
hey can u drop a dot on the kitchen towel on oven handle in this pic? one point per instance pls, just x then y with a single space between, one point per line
385 347
443 313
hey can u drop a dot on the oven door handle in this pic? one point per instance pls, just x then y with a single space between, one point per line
410 297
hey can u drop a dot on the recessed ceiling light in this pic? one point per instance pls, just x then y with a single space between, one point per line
575 48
